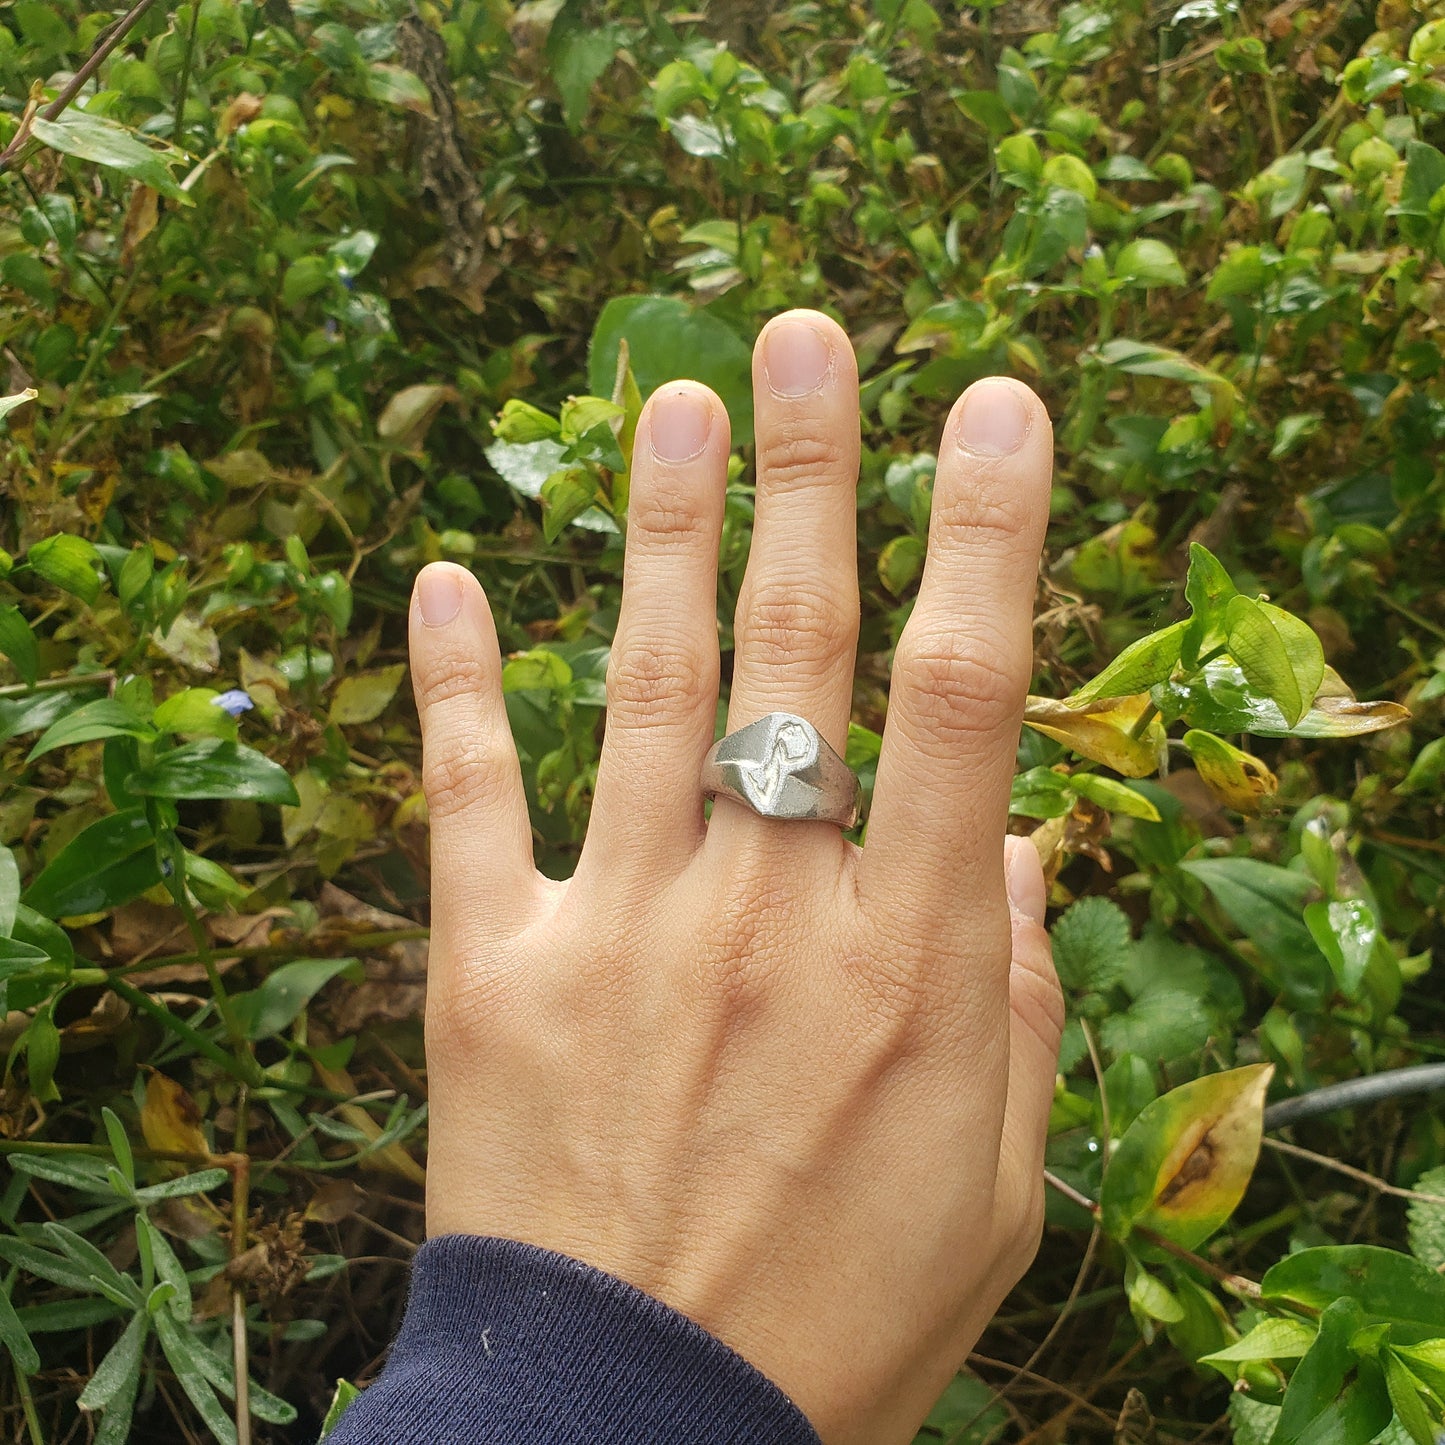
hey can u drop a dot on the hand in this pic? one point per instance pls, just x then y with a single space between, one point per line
794 1088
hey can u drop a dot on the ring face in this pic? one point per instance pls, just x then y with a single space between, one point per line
781 767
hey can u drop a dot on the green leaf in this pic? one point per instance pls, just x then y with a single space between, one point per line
1115 796
1221 700
187 1358
1391 1288
104 865
1346 932
271 1008
1266 903
541 668
1147 262
119 1144
193 710
398 86
1334 1398
366 695
215 768
1163 1024
9 891
95 138
579 53
900 562
566 495
346 1392
1258 648
1426 1361
1091 944
1427 1221
106 717
1284 1338
1184 1163
15 1339
666 339
1208 589
1040 793
169 1270
1149 1297
69 563
1139 667
201 1182
17 642
1142 358
41 1041
1409 1403
120 1369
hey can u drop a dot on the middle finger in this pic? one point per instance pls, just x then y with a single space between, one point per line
796 626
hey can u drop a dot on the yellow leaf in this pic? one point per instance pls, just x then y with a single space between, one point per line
170 1120
1102 730
364 697
1238 779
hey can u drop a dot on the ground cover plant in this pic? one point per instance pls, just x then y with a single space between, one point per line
297 297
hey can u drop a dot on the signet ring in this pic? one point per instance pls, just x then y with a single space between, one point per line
781 767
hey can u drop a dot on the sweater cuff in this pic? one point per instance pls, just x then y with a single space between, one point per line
508 1344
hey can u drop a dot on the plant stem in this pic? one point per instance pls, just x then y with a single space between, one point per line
240 1203
60 684
27 1403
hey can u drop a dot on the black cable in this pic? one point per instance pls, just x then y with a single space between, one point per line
1352 1093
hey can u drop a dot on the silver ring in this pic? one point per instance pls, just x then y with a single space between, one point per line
781 767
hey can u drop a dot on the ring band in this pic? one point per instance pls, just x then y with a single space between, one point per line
782 767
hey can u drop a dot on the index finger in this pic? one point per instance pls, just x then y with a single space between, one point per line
962 667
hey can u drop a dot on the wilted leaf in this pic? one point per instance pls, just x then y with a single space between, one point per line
409 413
1117 797
19 398
169 1118
334 1201
190 642
1184 1163
1238 779
365 696
1102 731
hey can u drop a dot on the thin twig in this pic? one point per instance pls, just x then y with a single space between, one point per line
60 684
76 83
1379 1185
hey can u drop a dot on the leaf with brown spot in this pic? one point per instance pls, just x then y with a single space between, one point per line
1183 1165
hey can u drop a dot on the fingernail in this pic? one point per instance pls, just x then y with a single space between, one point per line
796 358
994 421
1027 891
438 595
679 422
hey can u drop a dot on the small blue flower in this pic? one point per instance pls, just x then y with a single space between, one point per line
234 702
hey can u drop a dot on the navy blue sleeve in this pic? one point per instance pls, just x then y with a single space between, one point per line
507 1344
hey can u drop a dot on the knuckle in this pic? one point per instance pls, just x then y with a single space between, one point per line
959 686
799 627
1038 998
455 674
657 684
464 774
792 458
989 511
661 517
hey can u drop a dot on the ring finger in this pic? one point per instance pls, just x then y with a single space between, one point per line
796 626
